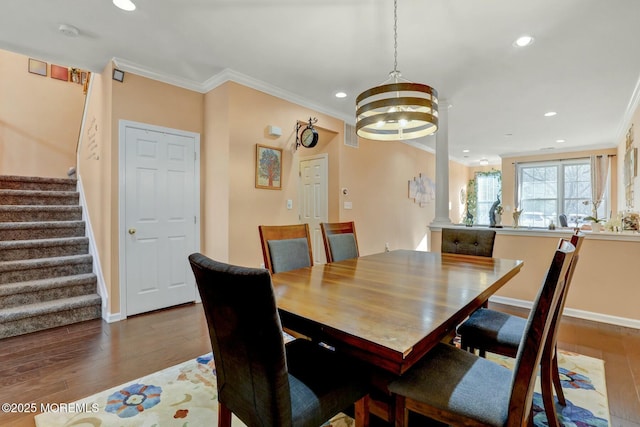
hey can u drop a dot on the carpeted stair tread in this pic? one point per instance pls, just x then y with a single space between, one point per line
31 213
27 264
41 230
43 268
37 183
13 250
35 291
38 197
46 270
37 285
15 313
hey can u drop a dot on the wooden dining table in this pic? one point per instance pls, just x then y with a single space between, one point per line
388 309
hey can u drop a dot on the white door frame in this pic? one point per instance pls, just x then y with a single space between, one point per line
122 126
322 156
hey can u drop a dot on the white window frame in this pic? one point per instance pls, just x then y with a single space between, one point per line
560 199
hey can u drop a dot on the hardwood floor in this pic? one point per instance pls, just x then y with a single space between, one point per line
69 363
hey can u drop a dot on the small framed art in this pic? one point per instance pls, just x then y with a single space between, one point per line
37 67
60 73
268 167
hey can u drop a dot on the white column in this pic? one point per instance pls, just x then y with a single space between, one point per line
442 166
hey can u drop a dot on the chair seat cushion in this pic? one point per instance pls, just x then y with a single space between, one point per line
487 328
454 380
320 381
343 246
289 254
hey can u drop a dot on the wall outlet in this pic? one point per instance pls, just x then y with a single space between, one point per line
348 205
289 204
386 247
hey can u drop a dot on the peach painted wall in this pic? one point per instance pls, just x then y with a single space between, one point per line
143 100
377 175
458 180
39 120
508 176
237 119
94 172
604 281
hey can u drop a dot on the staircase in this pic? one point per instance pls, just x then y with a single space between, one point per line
46 277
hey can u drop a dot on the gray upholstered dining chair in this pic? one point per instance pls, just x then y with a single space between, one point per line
468 241
563 220
459 388
340 240
260 379
286 247
501 333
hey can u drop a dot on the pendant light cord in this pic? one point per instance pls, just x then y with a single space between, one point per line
395 36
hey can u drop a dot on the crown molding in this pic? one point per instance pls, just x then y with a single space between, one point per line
229 75
632 106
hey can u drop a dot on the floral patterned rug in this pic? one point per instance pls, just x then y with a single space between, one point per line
185 396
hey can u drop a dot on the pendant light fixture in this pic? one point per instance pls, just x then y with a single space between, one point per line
397 110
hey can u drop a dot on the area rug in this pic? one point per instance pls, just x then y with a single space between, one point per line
185 396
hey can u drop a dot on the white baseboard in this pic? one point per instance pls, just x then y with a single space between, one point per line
114 317
93 251
572 312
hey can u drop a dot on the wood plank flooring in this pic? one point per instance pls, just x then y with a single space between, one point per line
69 363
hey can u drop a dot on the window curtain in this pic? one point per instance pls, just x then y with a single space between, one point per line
516 184
599 174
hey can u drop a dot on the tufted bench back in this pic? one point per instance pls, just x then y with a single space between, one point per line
468 241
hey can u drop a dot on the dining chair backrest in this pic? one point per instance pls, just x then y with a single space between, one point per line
259 378
246 338
576 240
532 345
563 220
468 241
286 247
340 240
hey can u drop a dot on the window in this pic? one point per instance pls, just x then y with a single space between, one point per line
548 189
488 187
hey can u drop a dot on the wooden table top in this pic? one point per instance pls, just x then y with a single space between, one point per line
389 308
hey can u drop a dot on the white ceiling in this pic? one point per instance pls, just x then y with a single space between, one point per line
584 65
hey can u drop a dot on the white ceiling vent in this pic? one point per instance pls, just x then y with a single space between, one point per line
350 137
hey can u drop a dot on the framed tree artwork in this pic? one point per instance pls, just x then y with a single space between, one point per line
268 167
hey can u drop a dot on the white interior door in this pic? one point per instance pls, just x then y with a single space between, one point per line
160 222
314 207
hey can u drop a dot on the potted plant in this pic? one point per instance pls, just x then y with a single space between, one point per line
596 223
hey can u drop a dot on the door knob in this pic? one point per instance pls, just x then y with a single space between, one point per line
132 231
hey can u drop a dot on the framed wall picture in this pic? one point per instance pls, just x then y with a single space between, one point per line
37 67
60 73
268 167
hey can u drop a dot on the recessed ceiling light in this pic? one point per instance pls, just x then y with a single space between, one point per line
465 151
550 114
341 95
524 41
125 5
561 140
484 162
